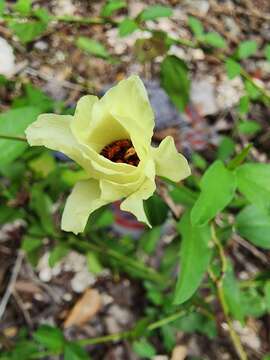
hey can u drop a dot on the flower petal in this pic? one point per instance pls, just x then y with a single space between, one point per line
84 199
53 131
128 103
114 190
134 203
82 118
170 163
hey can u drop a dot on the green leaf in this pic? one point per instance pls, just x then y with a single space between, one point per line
43 165
246 49
27 31
93 263
183 195
13 123
226 148
267 52
31 243
127 27
105 219
50 337
156 210
57 254
175 81
196 322
195 245
73 351
111 6
232 294
34 97
217 190
267 295
144 349
154 294
92 47
42 14
154 12
2 6
168 337
253 224
254 184
249 127
214 39
8 214
42 205
253 303
252 91
198 161
196 26
150 239
244 103
239 158
23 6
24 350
233 68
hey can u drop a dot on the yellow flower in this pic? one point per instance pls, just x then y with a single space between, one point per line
110 138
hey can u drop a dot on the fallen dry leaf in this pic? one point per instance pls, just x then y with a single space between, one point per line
84 309
179 353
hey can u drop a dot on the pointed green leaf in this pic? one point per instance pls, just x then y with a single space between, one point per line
92 47
246 49
13 123
154 12
253 224
175 81
233 68
196 26
218 186
195 255
253 183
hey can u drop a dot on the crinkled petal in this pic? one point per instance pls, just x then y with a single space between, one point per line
134 203
128 102
82 118
84 199
53 131
169 163
112 190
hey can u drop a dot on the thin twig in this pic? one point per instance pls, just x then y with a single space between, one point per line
260 255
24 311
12 281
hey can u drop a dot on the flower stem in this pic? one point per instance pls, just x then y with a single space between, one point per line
144 271
131 333
13 137
218 281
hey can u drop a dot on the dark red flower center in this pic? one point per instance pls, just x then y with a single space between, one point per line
121 151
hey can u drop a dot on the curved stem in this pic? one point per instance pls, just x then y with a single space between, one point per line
13 137
218 281
130 334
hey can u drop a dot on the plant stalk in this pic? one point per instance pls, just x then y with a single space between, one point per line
13 137
218 281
